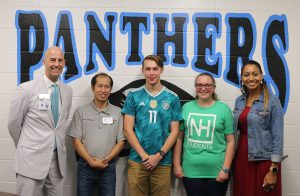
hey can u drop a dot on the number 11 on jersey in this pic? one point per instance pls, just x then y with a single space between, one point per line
153 114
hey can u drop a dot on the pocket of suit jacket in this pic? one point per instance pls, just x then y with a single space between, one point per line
30 145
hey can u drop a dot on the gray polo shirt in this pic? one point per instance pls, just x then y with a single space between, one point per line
99 130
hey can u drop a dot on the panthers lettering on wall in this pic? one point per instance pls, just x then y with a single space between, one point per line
241 39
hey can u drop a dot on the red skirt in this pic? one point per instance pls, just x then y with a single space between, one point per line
248 176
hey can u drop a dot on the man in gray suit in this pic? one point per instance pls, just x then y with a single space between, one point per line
39 132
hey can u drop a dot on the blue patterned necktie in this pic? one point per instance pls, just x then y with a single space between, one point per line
55 103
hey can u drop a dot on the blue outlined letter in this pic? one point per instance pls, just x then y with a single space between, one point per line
100 41
64 37
241 43
31 26
134 24
207 30
177 38
275 45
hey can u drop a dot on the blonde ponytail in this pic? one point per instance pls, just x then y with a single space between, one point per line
266 95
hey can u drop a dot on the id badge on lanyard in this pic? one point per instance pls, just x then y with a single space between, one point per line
44 102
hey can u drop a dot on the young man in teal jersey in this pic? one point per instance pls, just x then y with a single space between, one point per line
151 126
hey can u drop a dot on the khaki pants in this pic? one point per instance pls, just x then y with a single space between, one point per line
143 182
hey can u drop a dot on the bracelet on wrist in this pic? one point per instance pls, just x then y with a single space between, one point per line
162 153
226 170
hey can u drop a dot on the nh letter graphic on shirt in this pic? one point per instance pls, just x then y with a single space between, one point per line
201 128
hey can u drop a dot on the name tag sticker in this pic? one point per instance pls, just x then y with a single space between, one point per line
44 102
107 120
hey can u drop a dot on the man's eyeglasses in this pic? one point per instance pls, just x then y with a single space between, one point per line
207 86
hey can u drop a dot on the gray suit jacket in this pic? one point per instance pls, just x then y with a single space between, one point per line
33 130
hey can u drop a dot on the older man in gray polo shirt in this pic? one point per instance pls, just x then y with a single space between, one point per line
97 131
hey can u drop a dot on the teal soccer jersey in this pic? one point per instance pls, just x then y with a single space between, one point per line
153 116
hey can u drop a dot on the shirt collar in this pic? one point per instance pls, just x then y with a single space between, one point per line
48 82
107 110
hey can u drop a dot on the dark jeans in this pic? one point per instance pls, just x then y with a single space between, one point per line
204 187
89 178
